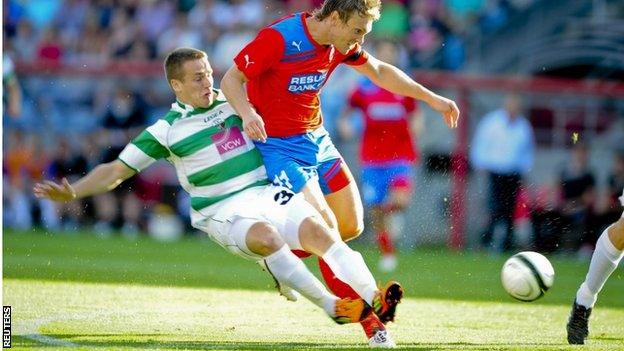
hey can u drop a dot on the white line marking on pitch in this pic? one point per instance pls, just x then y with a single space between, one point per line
30 330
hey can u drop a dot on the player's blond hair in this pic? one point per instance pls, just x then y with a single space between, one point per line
177 58
345 8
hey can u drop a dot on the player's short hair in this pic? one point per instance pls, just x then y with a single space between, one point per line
177 58
345 8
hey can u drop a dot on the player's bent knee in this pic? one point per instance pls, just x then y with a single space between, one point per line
352 230
315 236
616 233
263 239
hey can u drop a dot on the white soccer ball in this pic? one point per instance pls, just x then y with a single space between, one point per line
527 275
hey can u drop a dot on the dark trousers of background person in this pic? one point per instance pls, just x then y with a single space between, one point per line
547 229
504 190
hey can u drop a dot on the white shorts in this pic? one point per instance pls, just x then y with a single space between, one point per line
622 202
278 206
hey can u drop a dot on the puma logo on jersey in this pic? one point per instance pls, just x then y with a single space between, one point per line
297 45
247 61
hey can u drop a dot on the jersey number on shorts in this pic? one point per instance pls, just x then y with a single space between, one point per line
283 197
282 180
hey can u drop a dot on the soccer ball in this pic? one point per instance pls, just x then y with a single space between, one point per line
527 275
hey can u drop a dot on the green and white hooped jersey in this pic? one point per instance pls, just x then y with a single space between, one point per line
212 156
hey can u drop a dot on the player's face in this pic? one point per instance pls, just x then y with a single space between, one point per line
195 88
346 35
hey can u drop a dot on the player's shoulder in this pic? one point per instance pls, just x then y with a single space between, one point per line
292 30
287 23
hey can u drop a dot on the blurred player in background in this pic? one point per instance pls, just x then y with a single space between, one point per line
12 96
387 153
284 68
607 255
231 198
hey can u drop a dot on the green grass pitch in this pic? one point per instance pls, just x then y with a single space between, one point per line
79 292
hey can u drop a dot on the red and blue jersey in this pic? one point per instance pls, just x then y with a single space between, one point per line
286 69
387 137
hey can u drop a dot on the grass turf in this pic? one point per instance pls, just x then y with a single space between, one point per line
80 291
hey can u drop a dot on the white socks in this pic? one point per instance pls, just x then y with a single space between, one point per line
349 266
604 261
290 270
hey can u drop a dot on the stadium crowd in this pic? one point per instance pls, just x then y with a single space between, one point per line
67 124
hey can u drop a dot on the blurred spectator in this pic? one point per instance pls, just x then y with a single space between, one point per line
423 37
73 29
394 21
92 47
179 35
75 14
228 45
71 165
546 219
154 17
123 31
121 207
494 15
42 12
25 41
434 35
50 48
503 146
24 164
465 9
578 192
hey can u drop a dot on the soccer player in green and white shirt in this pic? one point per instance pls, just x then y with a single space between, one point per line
231 198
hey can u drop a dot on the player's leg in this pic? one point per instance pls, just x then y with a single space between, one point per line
607 255
292 163
304 229
343 198
395 201
314 195
605 259
255 239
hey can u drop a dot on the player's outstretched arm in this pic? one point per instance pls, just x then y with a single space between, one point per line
393 79
101 179
233 87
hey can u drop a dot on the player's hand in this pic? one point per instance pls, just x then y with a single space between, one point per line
57 192
253 125
448 109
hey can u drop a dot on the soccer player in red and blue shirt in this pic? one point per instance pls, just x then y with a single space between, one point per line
284 68
387 152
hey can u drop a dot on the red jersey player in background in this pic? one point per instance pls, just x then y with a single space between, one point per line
274 86
387 153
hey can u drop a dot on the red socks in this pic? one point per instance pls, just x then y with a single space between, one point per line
341 289
385 243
